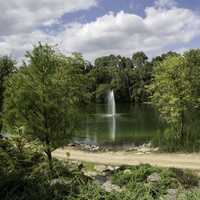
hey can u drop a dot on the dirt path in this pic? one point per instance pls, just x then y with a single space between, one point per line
178 160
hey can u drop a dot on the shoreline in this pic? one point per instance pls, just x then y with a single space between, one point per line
176 160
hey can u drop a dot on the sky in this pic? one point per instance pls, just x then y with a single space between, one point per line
99 27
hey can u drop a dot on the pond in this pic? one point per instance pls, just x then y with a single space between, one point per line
130 125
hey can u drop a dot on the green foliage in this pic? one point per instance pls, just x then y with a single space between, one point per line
44 95
139 59
190 195
26 175
127 77
135 180
175 91
138 174
7 67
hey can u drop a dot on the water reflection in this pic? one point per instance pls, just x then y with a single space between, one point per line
131 124
112 127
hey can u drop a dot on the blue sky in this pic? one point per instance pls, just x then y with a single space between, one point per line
130 6
100 27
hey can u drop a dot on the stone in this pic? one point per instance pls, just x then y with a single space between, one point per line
155 149
60 181
172 193
110 168
155 177
100 168
88 147
109 187
100 179
117 167
91 174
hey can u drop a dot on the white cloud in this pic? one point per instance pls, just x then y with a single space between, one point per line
125 33
17 45
22 16
120 33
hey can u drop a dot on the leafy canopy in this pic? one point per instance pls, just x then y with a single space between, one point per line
44 96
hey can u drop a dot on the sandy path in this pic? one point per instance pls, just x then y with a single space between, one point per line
178 160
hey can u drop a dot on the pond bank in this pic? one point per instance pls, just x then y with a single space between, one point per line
177 160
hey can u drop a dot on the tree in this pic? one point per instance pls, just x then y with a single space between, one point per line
110 72
163 56
139 59
172 92
44 95
7 67
193 62
140 77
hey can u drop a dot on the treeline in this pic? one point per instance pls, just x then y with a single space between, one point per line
128 77
46 92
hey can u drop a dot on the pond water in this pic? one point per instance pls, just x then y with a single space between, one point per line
131 125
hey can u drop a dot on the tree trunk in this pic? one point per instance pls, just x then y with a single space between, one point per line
49 156
48 152
182 135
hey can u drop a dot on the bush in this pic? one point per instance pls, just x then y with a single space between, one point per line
135 180
190 195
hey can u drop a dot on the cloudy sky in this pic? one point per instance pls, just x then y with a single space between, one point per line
100 27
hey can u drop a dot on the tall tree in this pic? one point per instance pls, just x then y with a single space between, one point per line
172 92
7 67
140 77
139 59
44 95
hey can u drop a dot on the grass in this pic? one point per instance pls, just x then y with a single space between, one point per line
135 180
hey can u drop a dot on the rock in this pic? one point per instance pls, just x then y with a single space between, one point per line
172 194
172 191
117 167
91 174
132 148
89 147
127 171
144 149
100 168
108 171
109 187
155 149
110 168
155 177
60 181
148 145
100 179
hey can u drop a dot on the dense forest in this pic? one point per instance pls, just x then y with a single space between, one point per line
40 103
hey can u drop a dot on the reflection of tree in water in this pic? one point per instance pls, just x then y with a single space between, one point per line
132 124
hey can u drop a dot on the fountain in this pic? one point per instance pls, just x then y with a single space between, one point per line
111 104
112 114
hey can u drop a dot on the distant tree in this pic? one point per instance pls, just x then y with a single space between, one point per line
163 57
109 74
139 59
106 61
140 77
7 67
44 95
